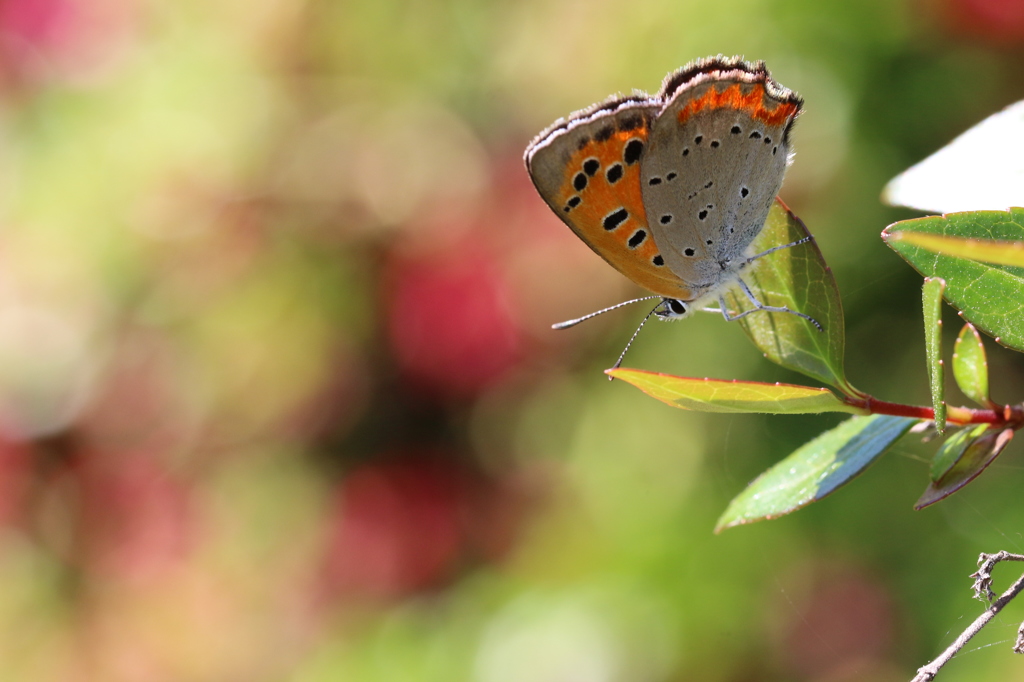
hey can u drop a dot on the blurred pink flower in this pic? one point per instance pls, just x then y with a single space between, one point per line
39 24
451 320
69 39
996 21
847 618
135 518
413 520
397 526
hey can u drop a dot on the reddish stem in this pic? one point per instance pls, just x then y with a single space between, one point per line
1010 415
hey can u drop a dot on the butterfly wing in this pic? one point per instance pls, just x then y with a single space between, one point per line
587 168
716 157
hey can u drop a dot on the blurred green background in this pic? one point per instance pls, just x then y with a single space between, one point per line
278 395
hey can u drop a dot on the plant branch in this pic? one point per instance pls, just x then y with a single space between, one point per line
982 590
1011 415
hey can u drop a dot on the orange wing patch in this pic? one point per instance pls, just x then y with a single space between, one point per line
601 201
753 103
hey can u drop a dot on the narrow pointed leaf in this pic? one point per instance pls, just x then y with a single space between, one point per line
970 365
799 279
816 469
987 250
975 456
953 448
932 296
987 294
717 395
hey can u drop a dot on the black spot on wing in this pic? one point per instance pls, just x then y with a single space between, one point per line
614 219
665 219
604 134
658 260
591 166
614 173
736 130
631 154
579 182
715 143
637 239
654 181
688 251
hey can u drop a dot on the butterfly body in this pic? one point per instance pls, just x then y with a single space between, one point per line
672 189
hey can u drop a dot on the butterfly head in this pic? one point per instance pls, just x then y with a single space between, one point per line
673 309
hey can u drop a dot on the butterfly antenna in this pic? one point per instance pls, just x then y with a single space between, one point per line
630 342
573 323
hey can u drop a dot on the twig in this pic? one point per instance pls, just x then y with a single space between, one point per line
982 590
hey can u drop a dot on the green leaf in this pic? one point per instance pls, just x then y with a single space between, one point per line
953 448
718 395
816 469
988 295
999 252
932 297
798 279
970 365
973 459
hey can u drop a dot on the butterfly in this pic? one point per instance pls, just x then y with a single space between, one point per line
671 189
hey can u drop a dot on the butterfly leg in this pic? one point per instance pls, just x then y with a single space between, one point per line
761 306
798 242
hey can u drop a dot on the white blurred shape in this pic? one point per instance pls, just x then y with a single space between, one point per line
981 169
46 370
561 643
388 155
606 632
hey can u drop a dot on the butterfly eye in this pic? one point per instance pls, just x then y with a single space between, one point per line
678 307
